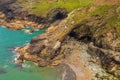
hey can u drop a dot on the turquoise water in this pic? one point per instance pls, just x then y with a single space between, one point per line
9 70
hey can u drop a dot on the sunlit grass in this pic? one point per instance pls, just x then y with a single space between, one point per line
44 6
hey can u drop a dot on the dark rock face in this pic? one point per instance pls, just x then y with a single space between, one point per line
108 59
46 50
47 45
9 10
68 73
6 2
105 42
95 29
57 14
34 18
92 29
14 11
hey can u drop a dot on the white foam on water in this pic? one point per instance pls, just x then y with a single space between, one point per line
36 29
14 50
27 43
25 65
27 31
15 58
3 26
27 27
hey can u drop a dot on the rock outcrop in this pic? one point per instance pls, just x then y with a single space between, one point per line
13 19
50 43
62 41
56 14
46 48
105 47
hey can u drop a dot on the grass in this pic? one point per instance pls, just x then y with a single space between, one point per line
106 10
102 10
42 7
115 21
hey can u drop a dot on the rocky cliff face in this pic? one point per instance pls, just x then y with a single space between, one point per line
92 31
14 16
103 42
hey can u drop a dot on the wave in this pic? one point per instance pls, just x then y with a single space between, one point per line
28 31
15 58
36 29
25 65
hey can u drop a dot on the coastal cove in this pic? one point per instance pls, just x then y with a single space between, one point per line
9 70
59 39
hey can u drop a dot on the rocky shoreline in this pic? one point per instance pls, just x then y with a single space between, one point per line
88 46
20 20
54 45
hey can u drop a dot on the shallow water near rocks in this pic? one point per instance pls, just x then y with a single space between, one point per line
9 70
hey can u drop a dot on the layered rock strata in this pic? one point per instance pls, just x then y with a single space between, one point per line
49 48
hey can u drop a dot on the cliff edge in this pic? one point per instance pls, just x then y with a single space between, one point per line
86 41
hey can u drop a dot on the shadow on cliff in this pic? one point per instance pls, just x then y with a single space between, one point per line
14 10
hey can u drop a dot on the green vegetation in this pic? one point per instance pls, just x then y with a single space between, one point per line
117 25
102 10
42 7
108 11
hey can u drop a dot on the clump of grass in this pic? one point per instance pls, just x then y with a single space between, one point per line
108 11
42 7
102 10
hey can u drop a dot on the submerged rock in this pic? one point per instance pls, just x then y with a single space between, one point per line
3 71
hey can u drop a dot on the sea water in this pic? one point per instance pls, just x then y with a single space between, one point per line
9 70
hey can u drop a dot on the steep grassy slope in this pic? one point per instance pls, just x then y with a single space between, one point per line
42 7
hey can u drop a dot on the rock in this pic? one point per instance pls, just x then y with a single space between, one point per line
3 71
108 59
56 14
57 45
34 18
19 19
20 59
68 73
93 30
118 10
2 15
46 46
53 45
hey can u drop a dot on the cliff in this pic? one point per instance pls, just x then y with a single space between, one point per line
86 35
14 15
97 30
